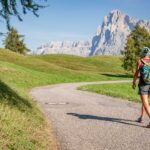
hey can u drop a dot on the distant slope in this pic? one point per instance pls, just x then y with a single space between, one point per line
67 67
101 64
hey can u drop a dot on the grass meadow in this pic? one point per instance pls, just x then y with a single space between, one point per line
23 126
123 90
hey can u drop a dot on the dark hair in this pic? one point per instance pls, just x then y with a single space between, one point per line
146 50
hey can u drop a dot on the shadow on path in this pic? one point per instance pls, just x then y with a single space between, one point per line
118 120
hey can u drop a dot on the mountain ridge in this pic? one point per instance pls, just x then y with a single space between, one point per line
110 37
81 48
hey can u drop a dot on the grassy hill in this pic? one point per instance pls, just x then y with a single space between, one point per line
95 64
23 126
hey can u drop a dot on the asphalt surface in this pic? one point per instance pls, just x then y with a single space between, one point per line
89 121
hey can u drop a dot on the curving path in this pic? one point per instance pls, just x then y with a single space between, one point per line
89 121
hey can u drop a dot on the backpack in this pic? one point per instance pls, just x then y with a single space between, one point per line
145 72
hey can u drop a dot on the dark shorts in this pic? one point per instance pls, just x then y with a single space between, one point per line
144 89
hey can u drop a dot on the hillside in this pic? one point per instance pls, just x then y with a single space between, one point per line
96 64
22 124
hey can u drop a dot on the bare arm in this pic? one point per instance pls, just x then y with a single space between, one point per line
136 74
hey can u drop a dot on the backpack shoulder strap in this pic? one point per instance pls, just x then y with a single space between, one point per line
143 61
146 63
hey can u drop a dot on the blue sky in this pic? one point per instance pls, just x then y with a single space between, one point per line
72 19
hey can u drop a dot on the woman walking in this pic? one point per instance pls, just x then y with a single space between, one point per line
144 88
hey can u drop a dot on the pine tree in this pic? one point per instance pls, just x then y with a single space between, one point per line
15 42
138 39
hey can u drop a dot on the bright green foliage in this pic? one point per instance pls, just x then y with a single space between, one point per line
129 59
138 39
14 42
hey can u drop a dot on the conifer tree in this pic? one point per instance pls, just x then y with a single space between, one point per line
137 39
15 42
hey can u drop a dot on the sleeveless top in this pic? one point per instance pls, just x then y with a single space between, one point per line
141 82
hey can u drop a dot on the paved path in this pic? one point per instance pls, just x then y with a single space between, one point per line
89 121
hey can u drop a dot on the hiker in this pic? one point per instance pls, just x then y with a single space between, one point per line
144 87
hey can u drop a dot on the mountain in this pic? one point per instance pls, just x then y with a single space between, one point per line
111 37
81 48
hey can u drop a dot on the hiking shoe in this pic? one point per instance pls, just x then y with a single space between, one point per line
140 120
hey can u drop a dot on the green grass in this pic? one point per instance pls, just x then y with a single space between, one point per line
23 126
123 90
103 64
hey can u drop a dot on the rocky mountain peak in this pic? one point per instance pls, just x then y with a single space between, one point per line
114 31
98 31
